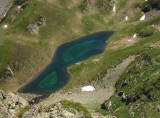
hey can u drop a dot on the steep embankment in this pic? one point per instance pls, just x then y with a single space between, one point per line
137 90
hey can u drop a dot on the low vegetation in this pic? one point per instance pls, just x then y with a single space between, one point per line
84 5
149 5
104 4
138 88
147 32
77 106
20 113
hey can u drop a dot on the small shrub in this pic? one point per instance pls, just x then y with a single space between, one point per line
111 22
150 4
47 109
104 4
23 110
75 105
147 32
154 3
137 16
84 5
145 7
19 2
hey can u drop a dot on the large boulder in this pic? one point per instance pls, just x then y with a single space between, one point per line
33 28
41 22
15 102
10 104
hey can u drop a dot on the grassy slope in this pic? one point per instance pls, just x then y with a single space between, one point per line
28 54
63 24
143 87
66 22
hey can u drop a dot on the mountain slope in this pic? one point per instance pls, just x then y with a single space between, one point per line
25 54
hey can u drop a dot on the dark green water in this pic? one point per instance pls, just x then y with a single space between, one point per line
55 76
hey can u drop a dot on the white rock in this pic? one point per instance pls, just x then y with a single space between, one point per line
114 8
110 104
129 40
135 35
19 7
5 26
126 18
4 14
78 63
95 60
88 88
143 18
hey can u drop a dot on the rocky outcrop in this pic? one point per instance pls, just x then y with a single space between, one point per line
105 4
149 5
10 104
32 112
86 5
56 111
7 73
152 14
14 106
34 27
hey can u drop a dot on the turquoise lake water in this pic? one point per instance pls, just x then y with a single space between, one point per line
55 76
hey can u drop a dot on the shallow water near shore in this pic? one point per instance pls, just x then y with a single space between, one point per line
55 75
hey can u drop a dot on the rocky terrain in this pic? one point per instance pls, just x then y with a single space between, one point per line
10 104
125 76
14 106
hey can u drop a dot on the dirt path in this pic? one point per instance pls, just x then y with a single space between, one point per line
104 89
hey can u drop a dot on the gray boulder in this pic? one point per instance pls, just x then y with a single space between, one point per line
33 28
10 104
41 22
32 112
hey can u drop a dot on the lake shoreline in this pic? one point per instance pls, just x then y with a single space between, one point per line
62 46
